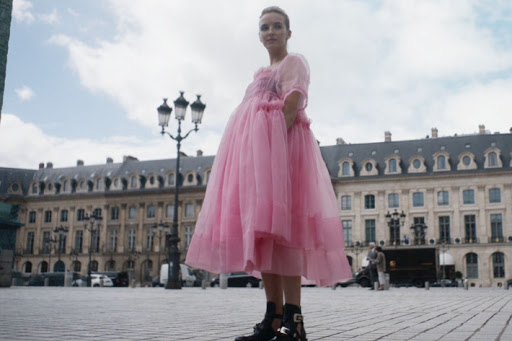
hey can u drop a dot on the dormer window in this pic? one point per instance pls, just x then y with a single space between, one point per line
392 164
83 185
171 179
66 186
152 180
207 175
133 182
441 161
493 158
416 163
369 167
346 167
100 184
190 178
34 188
466 161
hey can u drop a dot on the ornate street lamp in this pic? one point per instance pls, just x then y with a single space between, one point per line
62 232
95 218
395 220
164 113
157 231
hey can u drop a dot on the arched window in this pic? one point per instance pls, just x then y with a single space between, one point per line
110 266
392 166
65 186
76 266
346 168
133 183
170 179
472 265
28 267
148 270
59 266
94 266
493 159
44 267
498 265
441 162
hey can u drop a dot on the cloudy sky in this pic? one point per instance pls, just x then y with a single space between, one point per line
84 77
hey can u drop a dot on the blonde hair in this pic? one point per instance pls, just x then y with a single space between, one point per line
278 10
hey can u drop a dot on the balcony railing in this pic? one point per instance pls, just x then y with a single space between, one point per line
444 241
471 240
495 239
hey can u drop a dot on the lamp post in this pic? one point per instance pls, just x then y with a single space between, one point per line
89 225
395 220
157 231
62 232
164 113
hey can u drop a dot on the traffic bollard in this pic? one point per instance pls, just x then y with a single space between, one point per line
427 285
223 281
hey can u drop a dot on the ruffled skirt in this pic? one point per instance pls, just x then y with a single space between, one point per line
269 205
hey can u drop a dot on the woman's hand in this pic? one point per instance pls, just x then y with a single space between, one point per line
291 105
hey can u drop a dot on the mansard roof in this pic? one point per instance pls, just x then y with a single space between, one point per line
427 147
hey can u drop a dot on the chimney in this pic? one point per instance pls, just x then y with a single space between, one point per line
129 158
79 162
434 132
110 160
387 136
481 129
340 140
199 152
49 165
41 165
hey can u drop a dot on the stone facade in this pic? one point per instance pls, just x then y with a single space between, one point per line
457 190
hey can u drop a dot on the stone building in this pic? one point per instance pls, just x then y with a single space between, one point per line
454 194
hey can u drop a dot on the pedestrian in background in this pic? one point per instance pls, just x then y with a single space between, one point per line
372 268
380 262
269 208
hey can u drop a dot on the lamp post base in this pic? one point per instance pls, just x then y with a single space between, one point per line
172 284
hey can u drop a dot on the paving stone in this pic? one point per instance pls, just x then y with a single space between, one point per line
35 313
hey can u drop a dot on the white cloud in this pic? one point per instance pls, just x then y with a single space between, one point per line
24 93
50 18
63 152
375 67
22 11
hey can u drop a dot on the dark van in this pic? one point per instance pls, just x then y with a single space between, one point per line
56 279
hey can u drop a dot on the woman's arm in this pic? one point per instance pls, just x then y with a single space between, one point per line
291 105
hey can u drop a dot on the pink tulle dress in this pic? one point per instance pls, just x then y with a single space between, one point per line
269 204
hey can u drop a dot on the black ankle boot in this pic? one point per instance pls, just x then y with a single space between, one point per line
263 331
293 325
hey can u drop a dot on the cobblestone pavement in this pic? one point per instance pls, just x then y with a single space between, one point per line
31 313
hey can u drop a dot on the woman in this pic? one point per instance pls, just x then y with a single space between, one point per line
380 262
269 208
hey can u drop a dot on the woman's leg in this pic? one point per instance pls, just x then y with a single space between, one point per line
273 285
291 287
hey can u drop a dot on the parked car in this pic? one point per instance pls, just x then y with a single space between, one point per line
238 279
362 277
55 279
96 281
445 283
119 278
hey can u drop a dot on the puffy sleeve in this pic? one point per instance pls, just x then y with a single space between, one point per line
294 76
